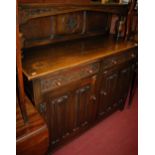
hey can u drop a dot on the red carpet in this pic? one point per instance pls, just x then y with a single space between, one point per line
116 135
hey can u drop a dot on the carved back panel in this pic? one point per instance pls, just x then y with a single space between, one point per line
48 23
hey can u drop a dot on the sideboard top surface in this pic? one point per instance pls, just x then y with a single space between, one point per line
43 60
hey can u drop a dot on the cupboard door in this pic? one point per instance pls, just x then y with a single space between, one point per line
84 105
59 115
85 98
108 90
124 81
114 88
71 108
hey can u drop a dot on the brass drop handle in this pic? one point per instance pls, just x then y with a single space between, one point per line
105 72
58 83
133 55
114 62
90 71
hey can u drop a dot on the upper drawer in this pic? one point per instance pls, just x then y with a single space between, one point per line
119 58
62 78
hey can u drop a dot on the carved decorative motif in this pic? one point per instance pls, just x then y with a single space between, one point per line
35 12
83 89
42 107
60 99
30 11
77 24
72 23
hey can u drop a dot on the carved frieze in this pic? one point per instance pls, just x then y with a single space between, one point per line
56 81
27 13
46 23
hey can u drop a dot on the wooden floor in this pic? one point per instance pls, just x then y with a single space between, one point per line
116 135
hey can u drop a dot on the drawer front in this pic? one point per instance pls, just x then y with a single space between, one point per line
118 59
58 80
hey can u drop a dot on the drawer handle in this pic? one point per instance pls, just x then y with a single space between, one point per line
133 55
105 72
90 71
58 83
114 62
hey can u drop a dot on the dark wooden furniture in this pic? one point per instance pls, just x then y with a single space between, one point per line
75 73
74 83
